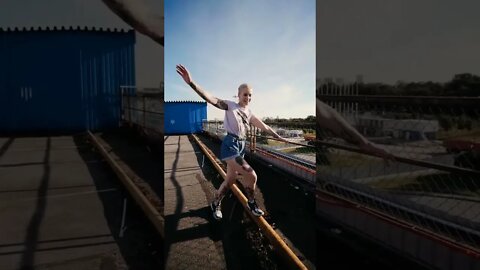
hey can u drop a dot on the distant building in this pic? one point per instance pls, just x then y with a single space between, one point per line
294 133
184 117
406 129
290 133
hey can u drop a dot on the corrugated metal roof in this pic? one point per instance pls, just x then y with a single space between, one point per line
63 28
185 101
33 14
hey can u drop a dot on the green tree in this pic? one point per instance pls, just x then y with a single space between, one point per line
464 84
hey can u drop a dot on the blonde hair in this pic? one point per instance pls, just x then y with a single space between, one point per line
243 86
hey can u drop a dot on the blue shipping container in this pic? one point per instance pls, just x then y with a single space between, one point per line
184 117
63 79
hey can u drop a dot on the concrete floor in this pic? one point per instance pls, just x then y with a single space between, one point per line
191 240
60 206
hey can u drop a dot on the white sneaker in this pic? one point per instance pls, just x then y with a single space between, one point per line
253 207
217 210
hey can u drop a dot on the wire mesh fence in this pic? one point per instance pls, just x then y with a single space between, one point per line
143 107
434 180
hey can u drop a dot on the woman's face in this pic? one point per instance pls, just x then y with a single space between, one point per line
245 96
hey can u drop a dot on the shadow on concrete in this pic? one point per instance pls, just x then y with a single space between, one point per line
200 231
212 230
141 247
235 230
5 146
171 221
56 240
27 260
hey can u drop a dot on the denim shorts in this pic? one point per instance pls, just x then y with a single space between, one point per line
232 147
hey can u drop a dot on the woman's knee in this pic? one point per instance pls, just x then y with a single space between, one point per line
230 179
252 176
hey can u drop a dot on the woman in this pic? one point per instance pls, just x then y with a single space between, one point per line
238 118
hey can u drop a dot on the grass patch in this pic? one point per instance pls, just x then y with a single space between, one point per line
459 134
300 150
275 143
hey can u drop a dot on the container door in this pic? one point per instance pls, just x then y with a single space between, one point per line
21 85
43 84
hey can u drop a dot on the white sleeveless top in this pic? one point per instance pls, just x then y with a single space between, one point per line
237 119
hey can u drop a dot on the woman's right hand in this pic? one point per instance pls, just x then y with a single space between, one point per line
182 71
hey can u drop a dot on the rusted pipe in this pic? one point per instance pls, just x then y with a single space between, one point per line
153 215
280 246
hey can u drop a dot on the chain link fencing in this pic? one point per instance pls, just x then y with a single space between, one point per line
143 108
434 180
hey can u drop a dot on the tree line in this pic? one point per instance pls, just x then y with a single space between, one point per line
461 85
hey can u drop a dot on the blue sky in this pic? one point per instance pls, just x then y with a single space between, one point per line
269 44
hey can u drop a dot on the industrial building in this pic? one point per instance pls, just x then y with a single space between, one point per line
63 79
404 129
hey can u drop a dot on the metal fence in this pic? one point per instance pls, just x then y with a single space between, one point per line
143 107
297 157
434 180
